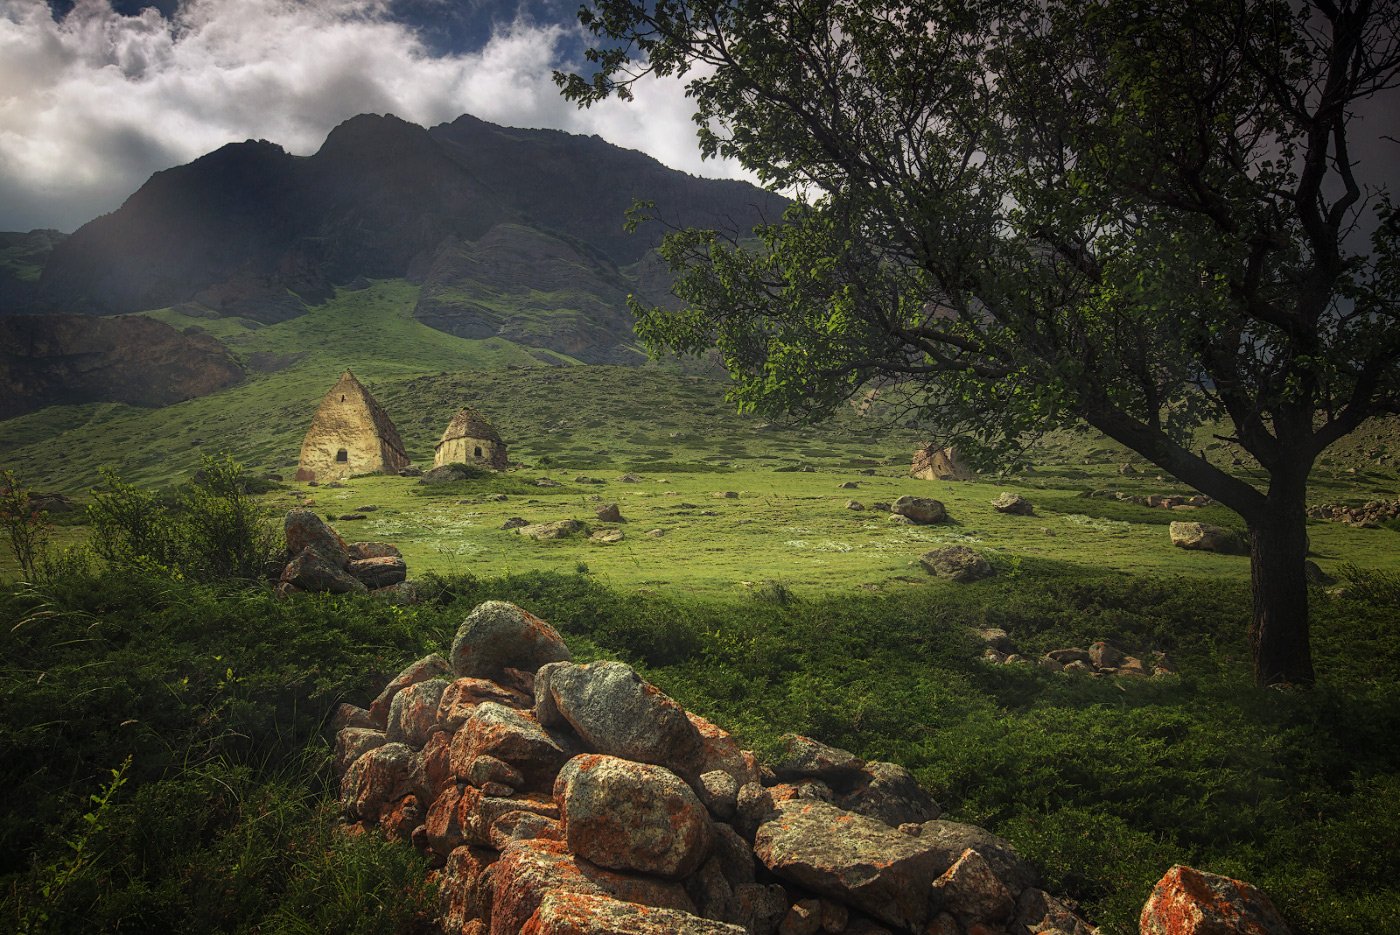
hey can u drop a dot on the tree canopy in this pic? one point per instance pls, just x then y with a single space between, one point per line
1142 214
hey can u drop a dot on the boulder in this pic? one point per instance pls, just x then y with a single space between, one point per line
311 570
445 474
632 816
759 908
971 891
609 513
379 779
1204 537
513 736
560 529
362 550
719 791
520 825
888 792
720 751
515 522
351 743
948 839
497 635
465 890
378 572
580 914
462 696
413 712
1013 504
429 667
532 868
1192 902
859 861
956 563
619 713
306 530
855 505
607 536
920 509
349 715
1038 911
805 758
1106 656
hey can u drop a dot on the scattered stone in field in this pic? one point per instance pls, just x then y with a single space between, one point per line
1191 902
1127 470
1014 504
609 513
707 513
997 638
570 914
585 479
880 507
899 519
496 498
1204 538
726 495
560 529
546 482
956 563
656 533
498 635
630 479
607 536
445 474
848 485
352 516
855 505
920 509
515 522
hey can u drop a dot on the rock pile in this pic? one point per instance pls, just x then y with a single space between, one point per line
320 561
1155 500
1101 658
1368 516
561 798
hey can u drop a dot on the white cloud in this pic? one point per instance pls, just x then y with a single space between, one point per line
92 105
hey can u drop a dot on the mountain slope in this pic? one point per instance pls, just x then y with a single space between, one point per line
252 231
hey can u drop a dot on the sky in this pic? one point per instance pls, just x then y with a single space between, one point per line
96 95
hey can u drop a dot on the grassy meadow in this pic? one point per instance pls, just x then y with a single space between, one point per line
164 741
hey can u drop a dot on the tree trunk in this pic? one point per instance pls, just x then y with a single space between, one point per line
1278 548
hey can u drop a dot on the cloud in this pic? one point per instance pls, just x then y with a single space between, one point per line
92 104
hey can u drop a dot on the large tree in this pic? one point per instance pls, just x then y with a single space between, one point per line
1142 214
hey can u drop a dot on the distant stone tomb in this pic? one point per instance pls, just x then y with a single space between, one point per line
934 463
470 438
350 434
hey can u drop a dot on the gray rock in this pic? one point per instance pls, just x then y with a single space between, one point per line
948 839
619 713
855 860
1204 538
956 563
805 758
609 513
920 509
379 572
498 635
888 792
413 713
560 529
311 570
429 667
305 529
1013 504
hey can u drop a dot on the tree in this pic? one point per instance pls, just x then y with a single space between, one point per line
1142 214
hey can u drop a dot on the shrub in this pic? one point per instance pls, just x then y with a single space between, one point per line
26 528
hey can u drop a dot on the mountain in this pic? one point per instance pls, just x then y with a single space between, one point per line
22 258
511 233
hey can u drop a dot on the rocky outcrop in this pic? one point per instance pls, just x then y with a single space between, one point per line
581 799
1369 515
48 360
1013 504
956 563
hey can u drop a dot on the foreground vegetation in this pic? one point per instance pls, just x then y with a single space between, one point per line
209 702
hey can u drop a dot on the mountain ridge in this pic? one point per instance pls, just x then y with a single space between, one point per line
250 230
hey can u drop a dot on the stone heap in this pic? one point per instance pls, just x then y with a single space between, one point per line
1368 516
1101 658
320 561
560 798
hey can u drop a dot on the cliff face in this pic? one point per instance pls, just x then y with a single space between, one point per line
51 359
253 231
